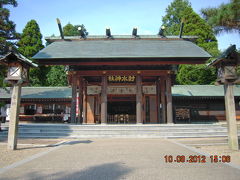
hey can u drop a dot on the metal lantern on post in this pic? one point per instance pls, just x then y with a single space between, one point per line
226 66
17 76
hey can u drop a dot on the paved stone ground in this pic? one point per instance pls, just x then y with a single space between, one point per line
103 159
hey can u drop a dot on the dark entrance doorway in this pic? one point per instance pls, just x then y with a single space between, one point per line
122 110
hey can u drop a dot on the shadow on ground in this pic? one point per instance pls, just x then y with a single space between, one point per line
58 144
109 171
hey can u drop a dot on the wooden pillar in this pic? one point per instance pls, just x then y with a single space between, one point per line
14 117
163 99
80 99
74 97
158 100
169 100
84 97
231 117
139 99
104 100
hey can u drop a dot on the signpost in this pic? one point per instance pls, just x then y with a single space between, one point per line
227 75
17 76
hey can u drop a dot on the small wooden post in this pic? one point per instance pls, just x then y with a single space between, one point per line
14 117
169 100
104 100
84 109
231 117
73 103
139 99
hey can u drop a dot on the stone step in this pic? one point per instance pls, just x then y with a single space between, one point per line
24 130
121 136
119 127
110 133
95 131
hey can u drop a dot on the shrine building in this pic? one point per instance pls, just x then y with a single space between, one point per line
121 78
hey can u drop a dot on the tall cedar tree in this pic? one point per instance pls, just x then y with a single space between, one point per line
57 75
181 11
225 18
29 44
7 33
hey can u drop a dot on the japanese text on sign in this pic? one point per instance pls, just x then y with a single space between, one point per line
116 79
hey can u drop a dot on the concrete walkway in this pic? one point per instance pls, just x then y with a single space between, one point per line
111 159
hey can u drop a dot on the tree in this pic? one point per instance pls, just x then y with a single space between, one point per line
194 74
57 76
7 33
29 44
73 30
181 11
7 27
31 40
225 18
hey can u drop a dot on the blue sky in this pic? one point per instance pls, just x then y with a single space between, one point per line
96 15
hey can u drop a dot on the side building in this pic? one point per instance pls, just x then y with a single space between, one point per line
191 104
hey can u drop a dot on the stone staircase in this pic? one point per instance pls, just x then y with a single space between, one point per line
119 131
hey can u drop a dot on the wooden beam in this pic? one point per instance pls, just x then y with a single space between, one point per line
73 102
80 99
126 73
104 100
163 99
158 100
139 99
169 100
120 62
84 110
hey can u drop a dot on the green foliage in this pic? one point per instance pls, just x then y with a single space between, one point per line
31 40
57 76
38 76
7 33
29 44
3 72
225 18
8 2
7 27
181 11
194 74
72 30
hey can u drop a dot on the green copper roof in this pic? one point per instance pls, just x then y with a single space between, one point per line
201 90
66 92
127 48
39 92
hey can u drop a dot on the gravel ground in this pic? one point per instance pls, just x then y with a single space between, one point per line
222 150
107 159
26 148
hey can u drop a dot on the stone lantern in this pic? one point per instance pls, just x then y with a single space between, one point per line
226 66
17 76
